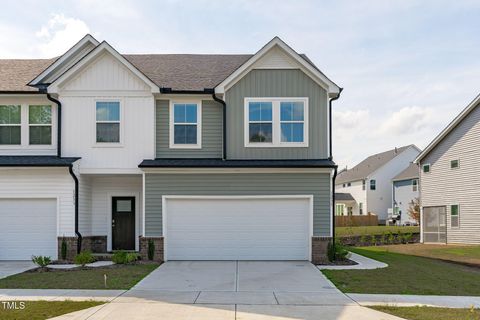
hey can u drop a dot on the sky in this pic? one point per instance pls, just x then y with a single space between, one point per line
407 67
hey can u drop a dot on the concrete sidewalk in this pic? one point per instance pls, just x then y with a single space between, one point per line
415 300
363 263
58 294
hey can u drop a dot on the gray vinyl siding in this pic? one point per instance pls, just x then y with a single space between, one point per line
403 195
211 132
444 186
316 184
277 83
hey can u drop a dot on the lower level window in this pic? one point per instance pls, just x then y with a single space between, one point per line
454 215
10 125
340 209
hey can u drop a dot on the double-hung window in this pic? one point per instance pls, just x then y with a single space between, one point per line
373 184
454 216
10 125
276 122
415 185
40 125
185 125
108 122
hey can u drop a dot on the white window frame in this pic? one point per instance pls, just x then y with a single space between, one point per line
118 144
429 168
40 124
13 125
414 185
276 123
172 144
457 216
25 127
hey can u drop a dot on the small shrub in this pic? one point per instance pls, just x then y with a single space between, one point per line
119 257
41 261
151 249
336 251
63 250
123 257
363 239
400 236
407 237
373 240
84 258
391 237
331 251
383 238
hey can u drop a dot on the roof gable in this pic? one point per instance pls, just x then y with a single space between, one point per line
64 62
287 57
93 56
411 172
452 125
371 164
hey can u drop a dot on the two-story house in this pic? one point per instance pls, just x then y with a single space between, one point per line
405 193
369 183
449 184
208 157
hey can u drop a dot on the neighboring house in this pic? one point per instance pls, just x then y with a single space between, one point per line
405 190
370 181
449 181
208 157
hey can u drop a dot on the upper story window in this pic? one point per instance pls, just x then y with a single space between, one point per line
185 125
40 125
363 184
349 184
454 164
108 122
373 184
426 168
414 185
276 122
10 125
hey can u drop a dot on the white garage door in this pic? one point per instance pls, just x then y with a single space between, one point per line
28 227
237 228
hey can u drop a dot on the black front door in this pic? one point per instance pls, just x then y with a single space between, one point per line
123 223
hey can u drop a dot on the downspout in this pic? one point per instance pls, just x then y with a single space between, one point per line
75 179
224 104
59 123
330 157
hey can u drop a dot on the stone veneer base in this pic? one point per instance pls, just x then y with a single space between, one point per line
319 249
158 243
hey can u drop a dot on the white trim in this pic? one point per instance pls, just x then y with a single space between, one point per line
104 46
166 197
315 74
234 170
276 123
85 40
110 196
121 123
452 125
171 124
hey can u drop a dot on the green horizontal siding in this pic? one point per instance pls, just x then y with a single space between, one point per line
277 83
212 134
316 184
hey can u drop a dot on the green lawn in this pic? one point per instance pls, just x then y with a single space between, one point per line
430 313
457 253
40 310
121 277
373 230
407 275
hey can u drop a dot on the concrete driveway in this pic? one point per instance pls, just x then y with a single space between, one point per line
8 268
247 290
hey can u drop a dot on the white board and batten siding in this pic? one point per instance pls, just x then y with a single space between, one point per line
237 227
106 79
444 186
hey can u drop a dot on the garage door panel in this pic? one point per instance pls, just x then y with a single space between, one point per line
237 229
28 227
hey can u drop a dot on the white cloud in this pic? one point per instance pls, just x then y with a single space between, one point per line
59 34
406 120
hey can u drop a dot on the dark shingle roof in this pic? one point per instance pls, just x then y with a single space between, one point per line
16 73
369 165
343 197
35 161
411 172
215 163
187 71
